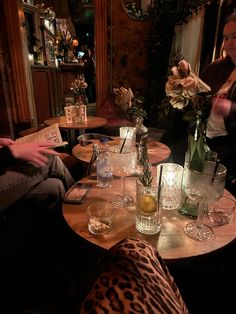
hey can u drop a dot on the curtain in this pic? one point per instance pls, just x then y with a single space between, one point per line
189 39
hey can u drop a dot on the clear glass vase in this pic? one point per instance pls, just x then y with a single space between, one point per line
198 152
198 149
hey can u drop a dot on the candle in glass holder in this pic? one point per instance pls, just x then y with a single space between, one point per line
171 191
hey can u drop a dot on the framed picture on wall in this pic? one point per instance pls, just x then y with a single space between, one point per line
49 41
32 23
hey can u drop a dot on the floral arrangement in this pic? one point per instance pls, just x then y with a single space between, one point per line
123 97
185 88
136 110
63 39
78 85
129 102
187 92
146 176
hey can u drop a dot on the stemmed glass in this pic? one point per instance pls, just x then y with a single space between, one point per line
204 186
123 158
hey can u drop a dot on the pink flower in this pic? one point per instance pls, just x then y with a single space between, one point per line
123 97
183 86
184 68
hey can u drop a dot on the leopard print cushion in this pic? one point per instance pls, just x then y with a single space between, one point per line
136 280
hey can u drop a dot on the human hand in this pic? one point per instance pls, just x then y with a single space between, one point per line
33 152
5 141
221 106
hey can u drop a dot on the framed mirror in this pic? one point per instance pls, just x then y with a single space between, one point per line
137 9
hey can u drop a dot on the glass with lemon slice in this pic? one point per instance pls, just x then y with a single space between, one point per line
148 211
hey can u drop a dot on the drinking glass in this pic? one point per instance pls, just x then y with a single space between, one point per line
148 208
204 187
189 206
123 159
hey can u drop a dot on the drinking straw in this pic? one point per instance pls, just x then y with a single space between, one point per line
159 186
123 144
215 171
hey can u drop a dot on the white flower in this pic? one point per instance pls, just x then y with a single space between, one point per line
184 68
183 86
123 97
78 84
179 102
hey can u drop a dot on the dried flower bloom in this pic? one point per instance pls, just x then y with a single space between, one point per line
123 97
187 92
78 84
184 68
184 86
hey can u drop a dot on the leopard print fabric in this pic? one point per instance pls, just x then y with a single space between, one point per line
136 280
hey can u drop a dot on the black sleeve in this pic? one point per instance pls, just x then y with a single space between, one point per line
6 158
230 122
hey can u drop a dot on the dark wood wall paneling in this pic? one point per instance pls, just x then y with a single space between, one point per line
129 50
125 66
14 105
47 91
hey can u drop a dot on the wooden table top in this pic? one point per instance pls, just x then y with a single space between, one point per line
171 242
92 123
157 151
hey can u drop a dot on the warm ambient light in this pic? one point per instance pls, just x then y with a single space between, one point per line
75 42
171 183
31 58
127 132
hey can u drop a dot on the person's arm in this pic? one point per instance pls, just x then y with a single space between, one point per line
5 141
6 157
222 106
230 121
36 153
217 73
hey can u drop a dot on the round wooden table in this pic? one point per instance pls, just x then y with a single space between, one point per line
157 151
171 242
92 123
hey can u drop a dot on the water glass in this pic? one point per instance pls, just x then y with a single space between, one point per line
221 212
100 217
104 171
148 210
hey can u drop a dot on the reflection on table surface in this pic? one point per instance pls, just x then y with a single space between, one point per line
92 122
157 151
171 242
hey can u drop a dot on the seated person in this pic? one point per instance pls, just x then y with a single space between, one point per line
34 238
221 136
134 280
31 172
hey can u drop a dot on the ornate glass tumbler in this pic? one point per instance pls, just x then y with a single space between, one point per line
148 209
171 196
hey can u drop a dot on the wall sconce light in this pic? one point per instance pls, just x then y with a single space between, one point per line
31 58
75 42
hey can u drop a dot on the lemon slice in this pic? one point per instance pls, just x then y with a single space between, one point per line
148 203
